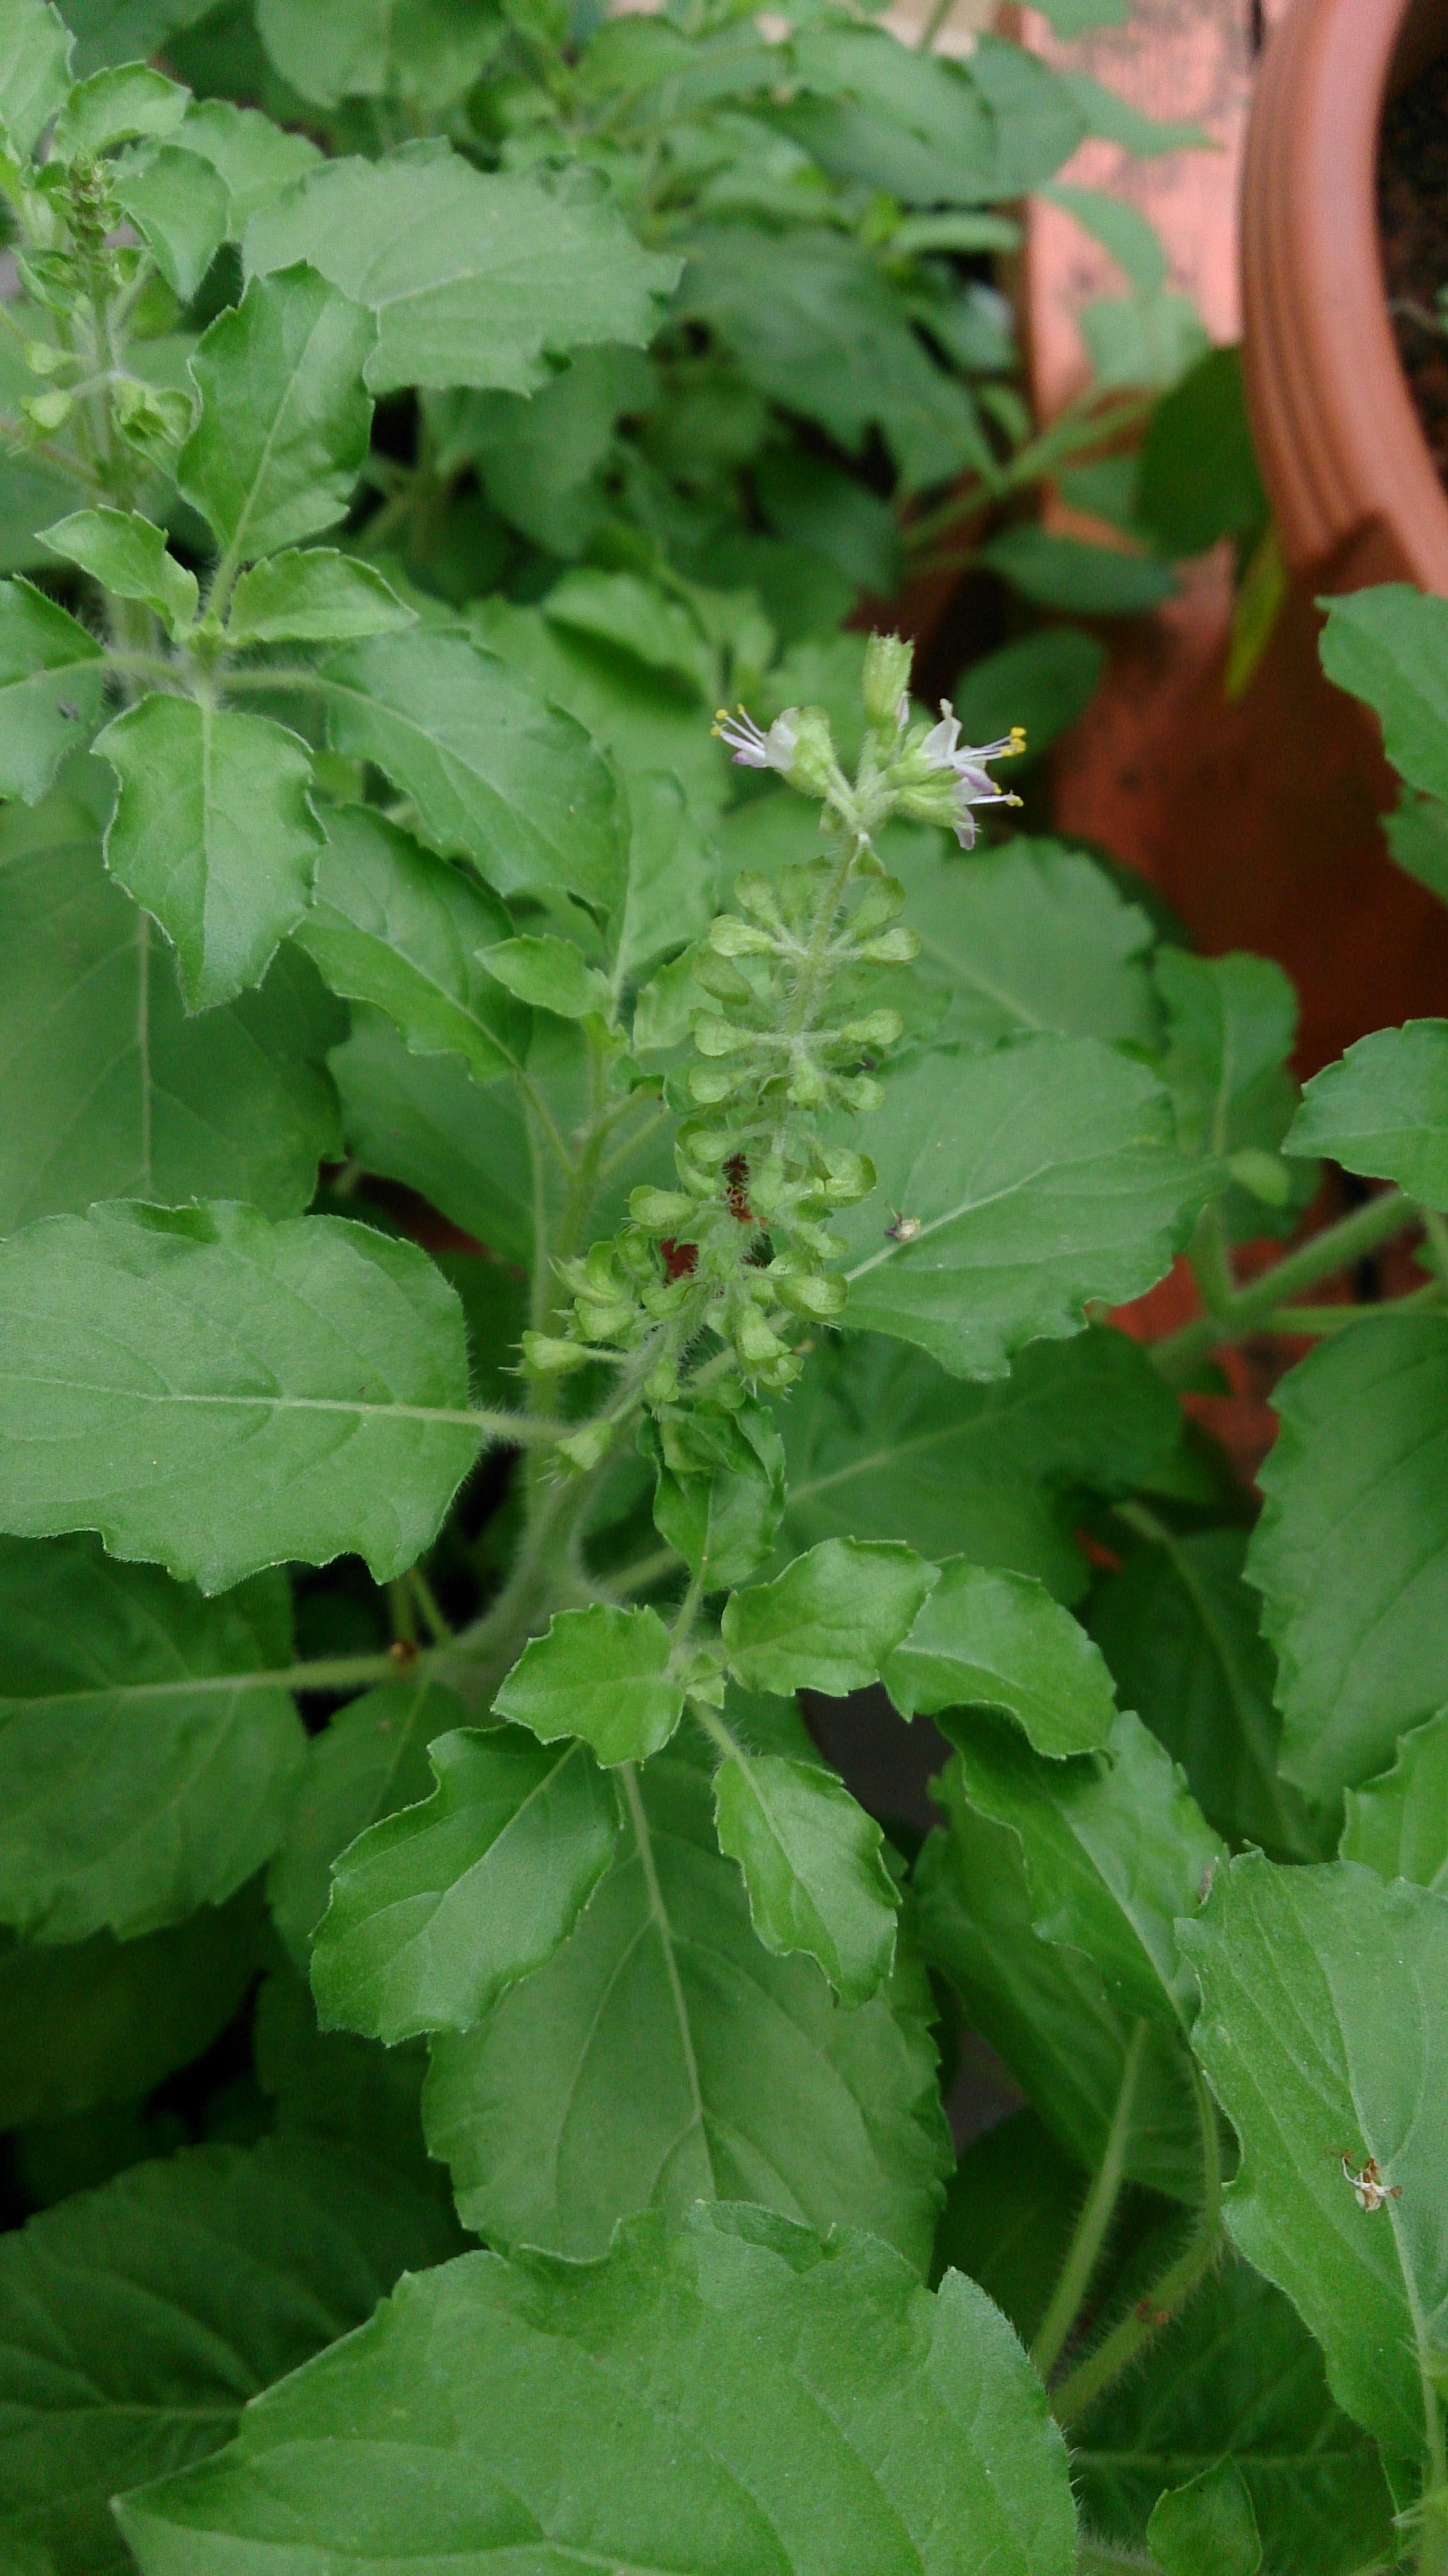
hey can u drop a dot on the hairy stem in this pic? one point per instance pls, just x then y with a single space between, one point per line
1084 2251
1091 2377
1247 1309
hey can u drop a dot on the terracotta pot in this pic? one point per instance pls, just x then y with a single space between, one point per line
1353 485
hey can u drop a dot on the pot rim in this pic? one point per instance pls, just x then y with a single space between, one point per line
1355 491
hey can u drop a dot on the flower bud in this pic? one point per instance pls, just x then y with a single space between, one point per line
876 1029
886 680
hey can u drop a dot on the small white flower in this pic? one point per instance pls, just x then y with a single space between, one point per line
943 749
752 749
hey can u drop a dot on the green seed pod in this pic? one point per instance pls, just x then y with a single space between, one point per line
847 1177
710 1084
547 1356
897 947
877 905
662 1211
720 976
731 937
715 1037
810 1294
585 1448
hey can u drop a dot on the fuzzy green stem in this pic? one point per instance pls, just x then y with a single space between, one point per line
1084 2251
1091 2377
1321 1257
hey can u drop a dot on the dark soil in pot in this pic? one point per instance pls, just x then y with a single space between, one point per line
1413 221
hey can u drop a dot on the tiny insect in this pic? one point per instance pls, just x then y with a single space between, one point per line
904 1229
63 707
1369 2185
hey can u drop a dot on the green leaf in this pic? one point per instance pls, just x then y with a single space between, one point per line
1238 2372
1389 645
1416 832
1077 17
113 1089
1011 2207
736 2395
392 925
1043 1176
214 833
1115 1849
1032 937
144 1771
34 71
111 106
1045 2007
1182 1635
1065 572
254 158
430 50
664 2055
284 420
882 1444
140 2318
1042 682
1117 121
475 278
1207 2527
1198 480
549 974
1398 1823
85 2022
371 1760
721 1489
437 1910
1322 2033
619 609
1120 227
994 1640
126 554
423 1120
1231 1028
812 321
830 1621
51 679
812 1867
1383 1109
669 896
493 771
636 716
1351 1554
320 597
602 1674
214 1393
329 2084
180 206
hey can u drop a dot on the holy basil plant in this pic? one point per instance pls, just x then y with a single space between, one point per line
544 1247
